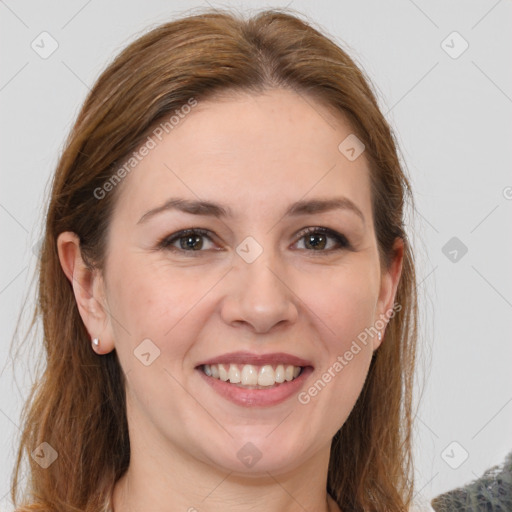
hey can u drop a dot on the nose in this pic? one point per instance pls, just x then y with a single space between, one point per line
259 296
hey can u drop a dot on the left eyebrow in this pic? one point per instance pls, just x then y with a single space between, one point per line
208 208
323 205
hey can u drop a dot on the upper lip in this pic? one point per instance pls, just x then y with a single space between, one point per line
257 359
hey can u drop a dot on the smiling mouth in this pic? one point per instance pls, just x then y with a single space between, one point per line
249 376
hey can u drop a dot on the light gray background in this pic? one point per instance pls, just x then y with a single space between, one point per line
452 117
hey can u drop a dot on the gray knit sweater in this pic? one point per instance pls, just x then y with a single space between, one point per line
492 492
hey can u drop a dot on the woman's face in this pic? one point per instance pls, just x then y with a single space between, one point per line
253 290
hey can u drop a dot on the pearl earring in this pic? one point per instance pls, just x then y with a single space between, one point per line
380 336
96 342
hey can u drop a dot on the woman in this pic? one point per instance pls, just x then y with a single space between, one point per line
226 285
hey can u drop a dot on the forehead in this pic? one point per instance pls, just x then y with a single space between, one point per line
254 152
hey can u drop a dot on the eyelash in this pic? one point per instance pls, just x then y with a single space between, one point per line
342 241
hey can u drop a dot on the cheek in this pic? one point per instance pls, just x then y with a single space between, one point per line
157 302
345 311
344 302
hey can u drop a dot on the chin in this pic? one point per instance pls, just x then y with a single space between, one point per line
260 453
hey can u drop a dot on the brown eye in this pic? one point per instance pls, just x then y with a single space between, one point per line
189 240
194 242
317 240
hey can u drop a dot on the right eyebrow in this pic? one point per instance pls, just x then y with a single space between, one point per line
189 206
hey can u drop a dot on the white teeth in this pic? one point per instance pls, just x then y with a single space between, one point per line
251 375
234 374
266 377
223 374
280 374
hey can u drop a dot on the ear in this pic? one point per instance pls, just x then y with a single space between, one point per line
390 278
89 290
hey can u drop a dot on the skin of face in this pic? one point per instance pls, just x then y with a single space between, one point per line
256 155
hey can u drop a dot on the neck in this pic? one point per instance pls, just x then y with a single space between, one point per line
168 476
168 482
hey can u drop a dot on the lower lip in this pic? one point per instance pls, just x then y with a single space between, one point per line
258 397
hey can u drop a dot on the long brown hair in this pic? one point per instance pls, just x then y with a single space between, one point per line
78 404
